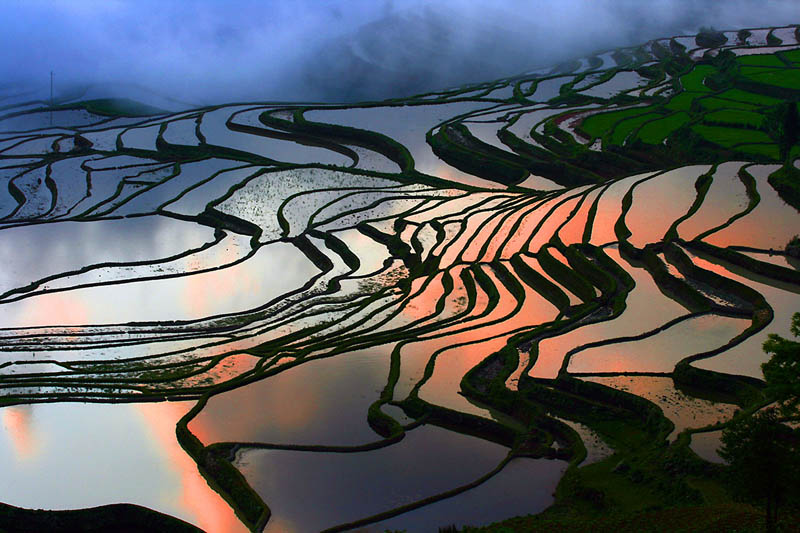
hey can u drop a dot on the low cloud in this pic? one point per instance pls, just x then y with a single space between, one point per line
206 51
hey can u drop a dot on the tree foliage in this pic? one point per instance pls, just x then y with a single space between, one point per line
764 461
783 125
763 453
782 371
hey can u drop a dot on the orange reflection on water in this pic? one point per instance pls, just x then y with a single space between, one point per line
444 385
771 212
54 308
531 216
501 235
232 416
424 303
549 227
18 420
572 232
603 224
659 202
713 267
457 249
211 512
725 198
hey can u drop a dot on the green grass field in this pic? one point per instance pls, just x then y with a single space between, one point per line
729 117
693 81
656 131
625 127
788 78
729 137
710 103
598 125
738 116
761 60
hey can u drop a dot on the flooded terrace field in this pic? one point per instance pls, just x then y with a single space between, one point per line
397 315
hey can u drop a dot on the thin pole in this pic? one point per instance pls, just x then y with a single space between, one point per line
51 97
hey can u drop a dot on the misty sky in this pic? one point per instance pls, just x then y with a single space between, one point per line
207 51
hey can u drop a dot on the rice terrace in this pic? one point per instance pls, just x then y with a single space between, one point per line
541 295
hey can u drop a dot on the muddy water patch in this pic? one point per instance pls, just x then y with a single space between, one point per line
683 410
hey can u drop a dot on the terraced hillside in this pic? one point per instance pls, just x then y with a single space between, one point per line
408 313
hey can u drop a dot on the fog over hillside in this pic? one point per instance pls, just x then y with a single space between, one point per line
207 51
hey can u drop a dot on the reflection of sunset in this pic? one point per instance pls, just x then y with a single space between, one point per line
17 420
661 351
445 171
771 212
424 303
237 422
211 512
451 364
528 222
650 216
55 308
548 228
603 225
713 267
484 234
458 248
572 232
500 237
300 405
724 199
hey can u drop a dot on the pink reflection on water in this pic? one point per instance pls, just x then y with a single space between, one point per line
424 303
659 202
548 229
211 512
18 420
59 308
488 335
572 232
771 212
212 426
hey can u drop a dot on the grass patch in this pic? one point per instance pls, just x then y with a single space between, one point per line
116 107
598 125
735 116
767 150
625 127
682 101
787 78
749 98
711 103
761 60
736 517
693 81
656 131
729 137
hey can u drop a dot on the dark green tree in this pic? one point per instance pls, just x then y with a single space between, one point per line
782 371
763 456
763 453
783 125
